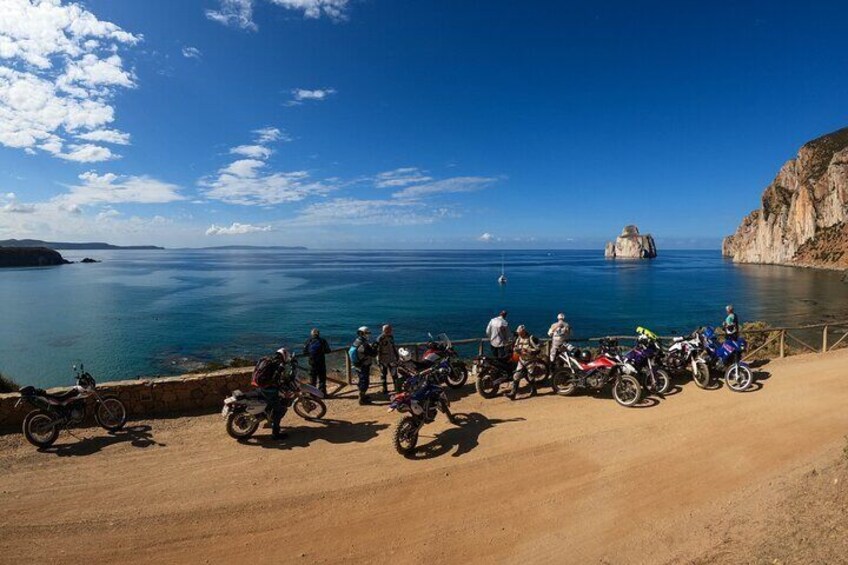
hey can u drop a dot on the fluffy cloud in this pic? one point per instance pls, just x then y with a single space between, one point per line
448 185
236 229
301 95
106 136
246 181
401 177
109 188
486 237
192 53
60 71
356 212
239 13
9 203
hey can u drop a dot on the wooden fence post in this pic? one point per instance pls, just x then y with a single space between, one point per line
782 343
480 348
824 339
348 369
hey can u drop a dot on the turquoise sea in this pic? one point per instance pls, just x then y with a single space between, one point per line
142 313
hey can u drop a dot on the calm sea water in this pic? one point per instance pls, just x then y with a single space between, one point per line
141 313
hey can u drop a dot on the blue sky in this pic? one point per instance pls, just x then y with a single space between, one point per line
377 123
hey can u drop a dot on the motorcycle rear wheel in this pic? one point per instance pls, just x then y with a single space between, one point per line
663 381
627 391
39 430
701 374
457 377
486 386
405 438
310 408
562 381
110 414
241 425
738 378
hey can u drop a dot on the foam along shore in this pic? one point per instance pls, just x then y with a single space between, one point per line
552 479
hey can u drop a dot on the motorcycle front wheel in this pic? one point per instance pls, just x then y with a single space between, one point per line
563 381
310 408
39 430
537 373
457 377
701 374
241 425
486 386
627 391
405 438
111 414
738 377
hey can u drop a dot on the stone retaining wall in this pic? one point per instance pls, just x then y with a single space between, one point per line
203 392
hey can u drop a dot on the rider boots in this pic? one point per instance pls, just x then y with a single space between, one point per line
512 393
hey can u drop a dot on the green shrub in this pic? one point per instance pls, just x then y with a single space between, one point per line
7 384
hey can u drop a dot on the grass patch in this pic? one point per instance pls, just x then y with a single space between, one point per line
7 384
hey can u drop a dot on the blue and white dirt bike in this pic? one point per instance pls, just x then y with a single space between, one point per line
422 398
726 356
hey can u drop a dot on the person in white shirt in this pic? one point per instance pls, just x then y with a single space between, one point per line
559 332
498 334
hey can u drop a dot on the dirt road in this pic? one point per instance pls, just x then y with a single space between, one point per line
541 480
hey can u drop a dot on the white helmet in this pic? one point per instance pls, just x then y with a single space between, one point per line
284 353
363 330
404 354
560 316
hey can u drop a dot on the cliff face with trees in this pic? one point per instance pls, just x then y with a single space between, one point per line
803 220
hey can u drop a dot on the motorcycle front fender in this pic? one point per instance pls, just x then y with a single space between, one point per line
309 389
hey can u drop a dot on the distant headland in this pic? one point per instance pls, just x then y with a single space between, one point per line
69 245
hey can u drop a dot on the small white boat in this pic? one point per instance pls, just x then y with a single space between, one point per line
502 278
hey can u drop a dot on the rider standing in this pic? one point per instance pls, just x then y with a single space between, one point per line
269 377
559 332
498 333
527 347
387 357
731 324
362 354
316 349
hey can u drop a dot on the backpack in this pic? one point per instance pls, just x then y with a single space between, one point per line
315 349
265 373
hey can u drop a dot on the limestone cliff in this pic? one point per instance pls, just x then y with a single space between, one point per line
804 211
631 245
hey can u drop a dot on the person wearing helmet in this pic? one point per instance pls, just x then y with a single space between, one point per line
498 334
731 324
559 332
268 377
527 347
362 355
316 349
387 357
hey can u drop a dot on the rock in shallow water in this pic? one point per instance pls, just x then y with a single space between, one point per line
631 245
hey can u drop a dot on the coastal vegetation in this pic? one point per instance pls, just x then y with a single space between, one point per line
30 257
7 384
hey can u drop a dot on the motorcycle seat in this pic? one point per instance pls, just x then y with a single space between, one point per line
61 396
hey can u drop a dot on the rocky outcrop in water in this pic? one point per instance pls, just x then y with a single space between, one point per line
803 220
631 245
30 257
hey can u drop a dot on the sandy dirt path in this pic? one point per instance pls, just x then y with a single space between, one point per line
540 480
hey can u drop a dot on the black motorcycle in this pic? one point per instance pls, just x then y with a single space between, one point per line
54 412
493 372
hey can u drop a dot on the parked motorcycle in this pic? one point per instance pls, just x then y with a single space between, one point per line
576 369
54 412
441 354
727 356
492 373
684 354
244 411
646 357
423 398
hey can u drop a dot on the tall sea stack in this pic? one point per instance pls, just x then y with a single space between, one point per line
631 245
803 220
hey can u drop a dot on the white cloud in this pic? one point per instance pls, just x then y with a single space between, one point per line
60 70
401 177
486 237
192 53
448 185
236 229
356 212
9 203
239 13
109 188
245 181
106 136
301 95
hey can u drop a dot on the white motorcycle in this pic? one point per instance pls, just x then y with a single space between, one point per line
684 354
244 411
